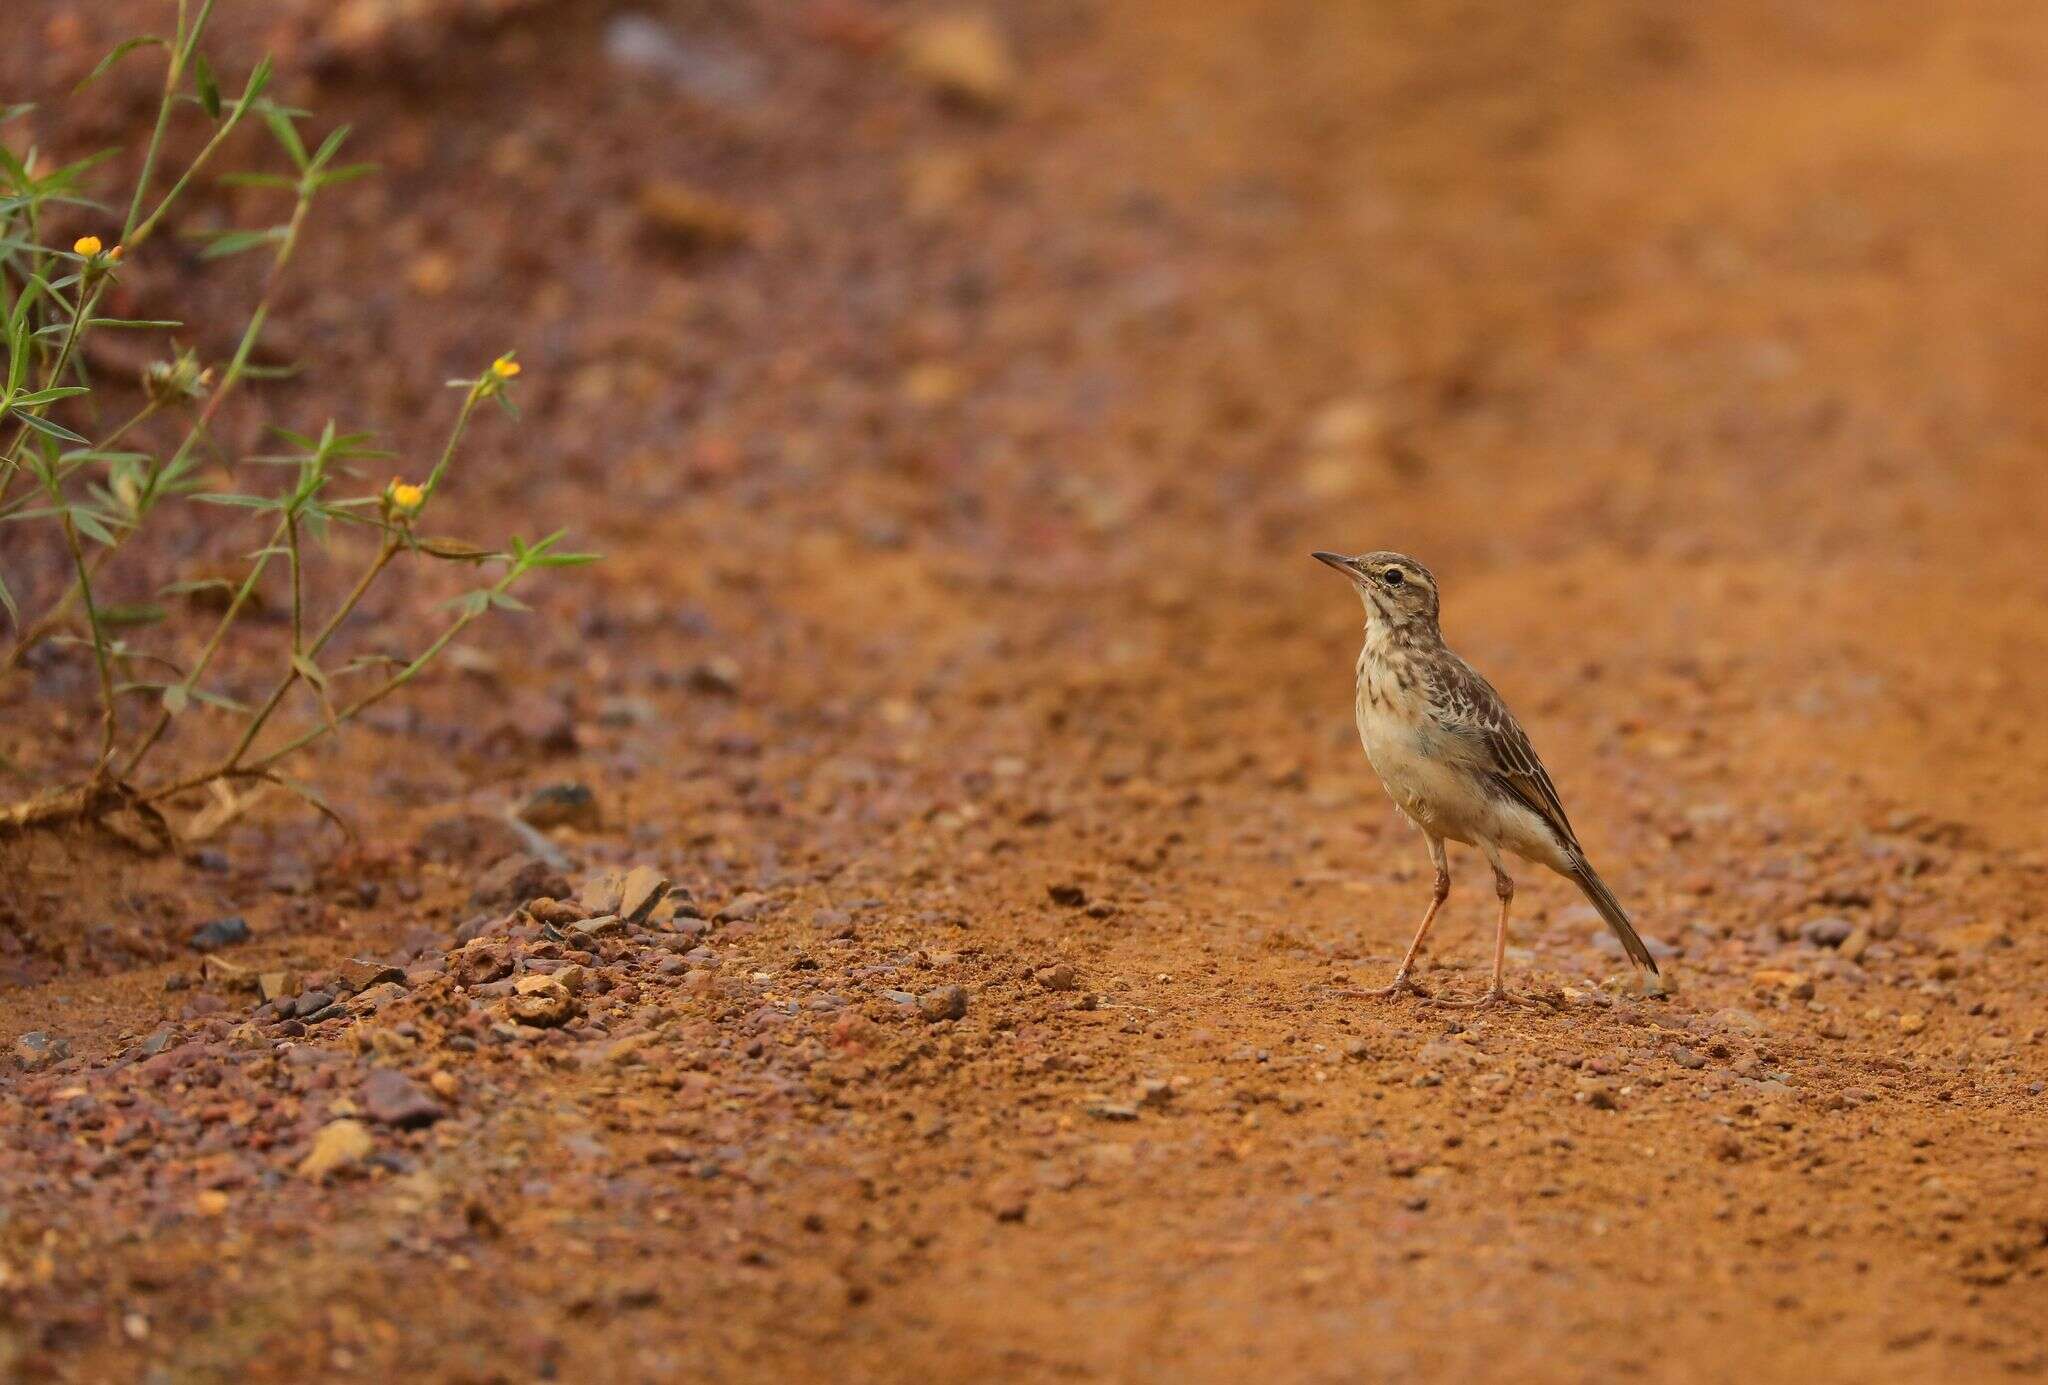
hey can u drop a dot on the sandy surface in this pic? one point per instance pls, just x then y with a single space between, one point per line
958 627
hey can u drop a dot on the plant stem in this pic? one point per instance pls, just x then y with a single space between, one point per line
206 654
108 716
385 552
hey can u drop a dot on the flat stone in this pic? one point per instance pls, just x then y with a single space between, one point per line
224 932
561 805
392 1098
740 908
1830 931
642 889
37 1050
598 927
513 881
227 975
359 975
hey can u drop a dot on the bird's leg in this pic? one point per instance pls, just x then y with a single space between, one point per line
1497 993
1442 892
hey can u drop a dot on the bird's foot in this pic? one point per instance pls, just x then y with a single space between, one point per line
1398 986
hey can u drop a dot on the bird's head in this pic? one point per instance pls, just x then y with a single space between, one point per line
1396 589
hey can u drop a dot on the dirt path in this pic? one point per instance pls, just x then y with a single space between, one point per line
1697 354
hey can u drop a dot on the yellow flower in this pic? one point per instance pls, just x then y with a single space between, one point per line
405 497
504 367
86 245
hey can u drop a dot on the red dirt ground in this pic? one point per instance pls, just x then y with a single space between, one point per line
1699 350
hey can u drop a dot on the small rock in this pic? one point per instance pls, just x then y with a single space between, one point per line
1826 932
309 1004
943 1003
1728 1149
598 927
1059 977
1067 895
339 1144
513 881
378 996
1598 1095
689 218
481 963
740 909
392 1098
1111 1111
718 674
964 58
561 805
1741 1021
542 1002
1687 1058
1912 1023
1791 982
600 893
37 1050
357 975
220 933
225 974
1155 1092
445 1084
642 889
277 985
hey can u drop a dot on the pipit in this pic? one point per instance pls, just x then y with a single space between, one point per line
1454 759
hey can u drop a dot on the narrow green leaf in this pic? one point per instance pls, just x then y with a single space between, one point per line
136 613
177 698
280 123
49 429
221 700
240 502
329 147
236 242
347 173
209 90
90 525
121 50
48 396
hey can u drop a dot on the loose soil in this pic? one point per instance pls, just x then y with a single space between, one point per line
957 629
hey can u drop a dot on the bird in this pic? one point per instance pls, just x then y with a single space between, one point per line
1455 761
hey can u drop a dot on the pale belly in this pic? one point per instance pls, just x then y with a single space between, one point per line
1418 765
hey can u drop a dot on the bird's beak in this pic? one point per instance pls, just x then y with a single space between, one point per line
1337 561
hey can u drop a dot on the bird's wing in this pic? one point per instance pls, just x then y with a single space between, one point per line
1472 713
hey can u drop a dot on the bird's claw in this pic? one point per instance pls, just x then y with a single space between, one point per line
1397 986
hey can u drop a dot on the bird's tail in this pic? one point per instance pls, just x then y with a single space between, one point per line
1610 909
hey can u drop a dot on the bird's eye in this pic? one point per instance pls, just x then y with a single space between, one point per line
1392 577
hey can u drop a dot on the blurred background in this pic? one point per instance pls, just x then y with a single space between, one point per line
1717 326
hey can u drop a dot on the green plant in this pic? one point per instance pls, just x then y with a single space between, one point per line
96 488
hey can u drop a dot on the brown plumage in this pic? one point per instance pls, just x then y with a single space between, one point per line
1452 756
